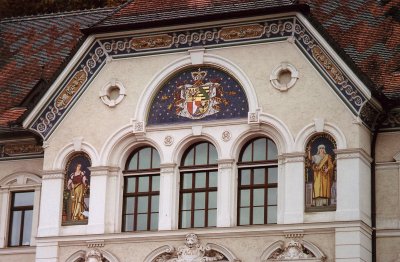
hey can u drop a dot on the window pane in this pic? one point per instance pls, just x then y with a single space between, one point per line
245 177
142 222
155 186
212 218
245 198
187 180
189 161
15 228
130 205
212 200
201 154
156 159
213 179
213 155
23 199
272 150
258 197
144 184
246 157
145 158
130 184
259 176
259 149
185 219
200 200
258 215
272 196
154 203
200 180
128 223
271 217
142 204
133 163
26 236
244 216
154 221
199 218
272 175
186 201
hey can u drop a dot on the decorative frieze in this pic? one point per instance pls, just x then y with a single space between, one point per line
20 149
151 42
53 174
241 32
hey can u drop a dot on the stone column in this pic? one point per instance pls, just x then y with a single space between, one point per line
98 196
293 188
169 195
353 183
226 197
353 204
51 203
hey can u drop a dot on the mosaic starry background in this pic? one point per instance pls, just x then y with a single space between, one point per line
163 110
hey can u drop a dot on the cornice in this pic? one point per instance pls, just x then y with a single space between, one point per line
53 174
103 170
353 153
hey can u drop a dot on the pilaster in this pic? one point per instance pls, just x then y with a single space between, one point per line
169 192
226 193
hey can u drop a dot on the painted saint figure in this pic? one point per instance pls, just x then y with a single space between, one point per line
323 168
78 185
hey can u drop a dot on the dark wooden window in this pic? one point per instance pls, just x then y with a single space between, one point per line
198 186
258 183
141 190
21 215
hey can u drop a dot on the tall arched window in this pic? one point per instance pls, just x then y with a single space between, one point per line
141 190
198 186
258 182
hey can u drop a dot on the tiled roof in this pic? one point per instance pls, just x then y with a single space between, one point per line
369 34
139 11
33 49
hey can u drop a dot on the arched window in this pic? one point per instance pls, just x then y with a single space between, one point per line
258 182
198 186
141 190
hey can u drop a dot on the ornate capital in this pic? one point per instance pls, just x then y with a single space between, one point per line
225 163
53 174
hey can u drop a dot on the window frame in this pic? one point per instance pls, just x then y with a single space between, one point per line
136 174
193 170
12 208
252 166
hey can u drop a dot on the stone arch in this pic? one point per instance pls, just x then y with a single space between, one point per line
310 130
66 152
21 178
270 126
116 149
187 141
79 256
207 59
279 247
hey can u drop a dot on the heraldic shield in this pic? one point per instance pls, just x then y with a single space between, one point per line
199 99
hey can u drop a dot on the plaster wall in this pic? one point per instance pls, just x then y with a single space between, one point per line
310 98
387 146
388 249
17 258
33 166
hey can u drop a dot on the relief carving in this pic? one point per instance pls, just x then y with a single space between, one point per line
150 42
294 250
192 251
241 32
71 88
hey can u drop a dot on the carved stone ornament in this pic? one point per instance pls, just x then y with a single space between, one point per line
277 79
253 117
138 127
168 140
226 136
192 251
112 93
94 255
294 250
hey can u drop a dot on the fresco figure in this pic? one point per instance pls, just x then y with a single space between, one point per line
78 185
322 166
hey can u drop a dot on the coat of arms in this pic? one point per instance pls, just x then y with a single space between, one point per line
198 99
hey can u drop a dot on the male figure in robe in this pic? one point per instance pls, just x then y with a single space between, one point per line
322 167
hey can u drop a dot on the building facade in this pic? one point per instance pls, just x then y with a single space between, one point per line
208 132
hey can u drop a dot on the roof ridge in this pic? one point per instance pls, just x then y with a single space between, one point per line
52 15
116 9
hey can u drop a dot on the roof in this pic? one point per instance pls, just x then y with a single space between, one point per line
139 11
32 51
368 31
